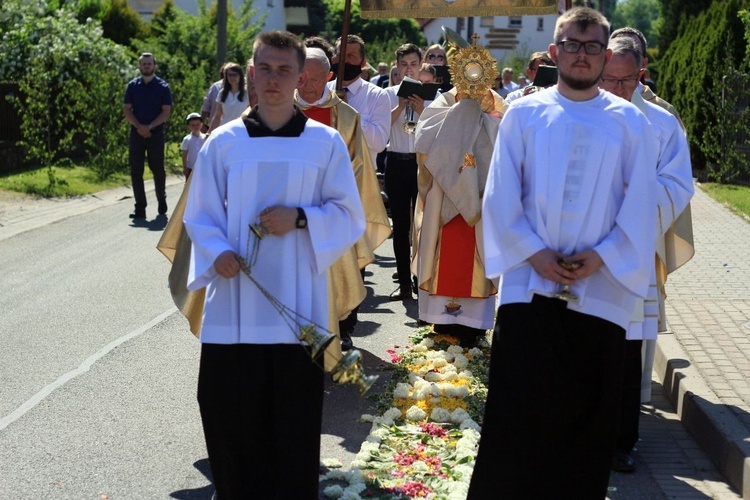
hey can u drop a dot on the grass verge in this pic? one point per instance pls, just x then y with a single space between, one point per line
736 198
75 180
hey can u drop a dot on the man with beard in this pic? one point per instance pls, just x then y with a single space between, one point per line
148 102
570 200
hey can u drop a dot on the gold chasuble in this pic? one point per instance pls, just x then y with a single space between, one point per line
176 246
345 287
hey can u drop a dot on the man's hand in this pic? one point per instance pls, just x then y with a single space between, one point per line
226 264
545 262
143 131
417 103
279 220
590 263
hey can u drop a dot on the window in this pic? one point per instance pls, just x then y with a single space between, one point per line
514 21
487 21
540 24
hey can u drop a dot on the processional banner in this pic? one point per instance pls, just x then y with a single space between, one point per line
458 8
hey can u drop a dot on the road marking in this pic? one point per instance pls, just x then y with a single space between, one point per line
82 368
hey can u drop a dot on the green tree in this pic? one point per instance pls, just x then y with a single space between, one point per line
69 76
639 14
122 24
391 31
673 13
708 46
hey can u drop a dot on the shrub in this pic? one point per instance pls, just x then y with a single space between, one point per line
709 46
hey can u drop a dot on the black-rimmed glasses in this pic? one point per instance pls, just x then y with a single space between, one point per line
432 57
592 48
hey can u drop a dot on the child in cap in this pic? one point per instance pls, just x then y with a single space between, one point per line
192 143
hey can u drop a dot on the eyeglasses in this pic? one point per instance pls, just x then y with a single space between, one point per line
436 56
574 46
619 81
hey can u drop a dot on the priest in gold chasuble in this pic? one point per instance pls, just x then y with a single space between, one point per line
345 287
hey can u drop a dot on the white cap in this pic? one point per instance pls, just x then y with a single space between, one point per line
191 116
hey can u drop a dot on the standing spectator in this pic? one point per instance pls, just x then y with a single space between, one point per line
435 55
426 73
507 85
148 102
209 101
233 98
260 394
572 181
381 79
192 143
395 77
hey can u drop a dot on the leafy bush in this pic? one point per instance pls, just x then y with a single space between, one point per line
708 46
68 79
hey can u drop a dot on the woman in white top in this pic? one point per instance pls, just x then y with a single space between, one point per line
233 98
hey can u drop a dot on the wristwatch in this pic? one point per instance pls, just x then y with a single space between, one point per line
301 222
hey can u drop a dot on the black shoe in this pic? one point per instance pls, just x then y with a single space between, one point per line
623 462
346 340
395 276
401 293
137 215
162 207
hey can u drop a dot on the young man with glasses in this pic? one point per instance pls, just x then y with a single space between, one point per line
674 189
568 200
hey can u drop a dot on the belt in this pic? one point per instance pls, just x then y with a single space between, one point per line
402 156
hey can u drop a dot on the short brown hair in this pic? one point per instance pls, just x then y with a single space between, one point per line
350 39
542 58
282 40
406 49
582 17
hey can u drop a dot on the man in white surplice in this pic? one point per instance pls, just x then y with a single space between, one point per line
260 394
674 190
572 179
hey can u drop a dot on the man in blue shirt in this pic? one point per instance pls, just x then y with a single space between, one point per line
148 102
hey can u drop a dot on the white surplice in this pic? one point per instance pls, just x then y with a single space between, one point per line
674 191
236 177
571 175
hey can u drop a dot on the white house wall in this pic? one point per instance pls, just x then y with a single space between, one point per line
530 39
274 8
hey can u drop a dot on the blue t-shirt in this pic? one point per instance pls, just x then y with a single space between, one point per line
147 98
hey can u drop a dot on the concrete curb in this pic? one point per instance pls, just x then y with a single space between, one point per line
713 424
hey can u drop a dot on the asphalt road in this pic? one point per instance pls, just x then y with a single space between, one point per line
98 371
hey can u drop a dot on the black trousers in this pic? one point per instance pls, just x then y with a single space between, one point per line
261 407
553 405
630 413
139 148
401 188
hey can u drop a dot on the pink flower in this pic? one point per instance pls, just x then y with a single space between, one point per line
433 430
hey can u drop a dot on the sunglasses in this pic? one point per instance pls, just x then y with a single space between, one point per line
432 57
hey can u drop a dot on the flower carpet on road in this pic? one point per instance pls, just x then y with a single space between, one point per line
424 441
